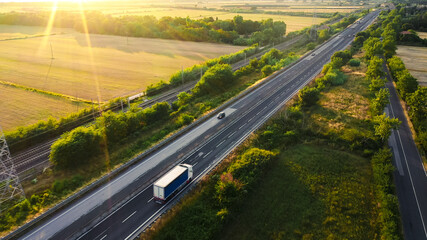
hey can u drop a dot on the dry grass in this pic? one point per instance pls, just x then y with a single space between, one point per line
120 65
344 105
415 59
19 107
422 34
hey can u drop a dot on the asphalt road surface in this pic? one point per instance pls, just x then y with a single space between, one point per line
202 147
410 176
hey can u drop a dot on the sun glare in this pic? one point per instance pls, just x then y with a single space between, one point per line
48 32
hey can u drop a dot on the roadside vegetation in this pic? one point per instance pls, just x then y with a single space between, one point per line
414 95
117 137
331 172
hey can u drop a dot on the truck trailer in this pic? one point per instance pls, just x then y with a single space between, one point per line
172 182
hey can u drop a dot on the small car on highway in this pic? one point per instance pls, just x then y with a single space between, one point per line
221 115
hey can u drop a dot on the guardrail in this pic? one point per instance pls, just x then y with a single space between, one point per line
106 178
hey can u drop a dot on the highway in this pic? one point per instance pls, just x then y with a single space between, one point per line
33 160
203 147
410 176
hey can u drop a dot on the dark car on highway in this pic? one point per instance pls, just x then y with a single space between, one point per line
221 115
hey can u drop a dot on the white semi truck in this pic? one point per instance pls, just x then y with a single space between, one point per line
172 182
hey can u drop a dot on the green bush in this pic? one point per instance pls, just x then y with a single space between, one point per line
311 46
376 84
354 63
266 70
216 80
380 101
308 96
406 83
184 119
389 216
76 147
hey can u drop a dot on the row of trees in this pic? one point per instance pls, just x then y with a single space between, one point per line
206 30
414 95
195 72
79 146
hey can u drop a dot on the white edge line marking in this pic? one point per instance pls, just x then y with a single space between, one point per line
410 178
103 237
130 216
151 199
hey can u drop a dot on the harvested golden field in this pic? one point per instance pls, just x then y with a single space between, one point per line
415 59
113 66
422 34
124 6
15 32
19 107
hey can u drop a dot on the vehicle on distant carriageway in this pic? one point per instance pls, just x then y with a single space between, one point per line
172 182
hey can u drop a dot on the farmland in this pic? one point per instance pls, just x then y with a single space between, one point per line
115 65
19 107
115 7
415 59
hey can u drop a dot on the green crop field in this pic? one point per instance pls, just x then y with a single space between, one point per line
19 107
113 66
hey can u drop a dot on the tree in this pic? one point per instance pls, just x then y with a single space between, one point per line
183 98
406 83
376 84
215 80
266 70
337 62
418 107
279 29
114 125
324 35
308 96
75 148
375 68
389 46
344 55
380 101
396 65
383 126
373 46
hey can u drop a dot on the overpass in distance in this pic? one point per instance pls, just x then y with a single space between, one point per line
124 207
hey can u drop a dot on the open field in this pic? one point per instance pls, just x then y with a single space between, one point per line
415 59
114 65
14 32
19 107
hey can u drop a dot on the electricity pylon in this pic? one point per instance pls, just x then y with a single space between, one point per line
10 187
